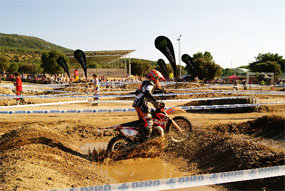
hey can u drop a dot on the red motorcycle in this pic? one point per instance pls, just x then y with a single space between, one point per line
129 134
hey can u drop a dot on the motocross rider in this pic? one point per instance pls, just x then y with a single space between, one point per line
144 95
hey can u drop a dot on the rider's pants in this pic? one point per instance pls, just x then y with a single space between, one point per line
147 118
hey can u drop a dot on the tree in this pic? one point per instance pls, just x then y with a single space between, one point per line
94 65
28 68
268 66
268 63
13 68
204 66
268 57
226 72
4 63
49 62
282 65
140 67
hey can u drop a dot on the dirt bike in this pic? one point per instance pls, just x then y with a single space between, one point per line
129 134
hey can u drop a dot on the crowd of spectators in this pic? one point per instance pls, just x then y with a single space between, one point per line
109 81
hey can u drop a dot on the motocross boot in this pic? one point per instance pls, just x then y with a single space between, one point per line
148 128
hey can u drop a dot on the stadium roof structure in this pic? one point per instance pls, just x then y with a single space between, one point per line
103 56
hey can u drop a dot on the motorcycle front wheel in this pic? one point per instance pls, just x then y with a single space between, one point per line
177 136
121 144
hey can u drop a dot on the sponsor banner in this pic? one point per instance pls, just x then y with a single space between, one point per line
61 61
188 181
163 44
81 58
188 61
162 66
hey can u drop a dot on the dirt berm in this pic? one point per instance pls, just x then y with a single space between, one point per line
253 144
40 158
236 100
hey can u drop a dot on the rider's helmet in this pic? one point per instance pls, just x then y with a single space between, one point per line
155 76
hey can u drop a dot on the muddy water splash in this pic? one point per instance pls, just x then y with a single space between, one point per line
88 147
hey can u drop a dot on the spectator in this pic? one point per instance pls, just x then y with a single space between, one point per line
95 89
76 75
244 84
19 88
235 87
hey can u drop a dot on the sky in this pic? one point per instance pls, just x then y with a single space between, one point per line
233 31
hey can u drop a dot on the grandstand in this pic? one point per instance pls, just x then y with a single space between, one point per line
115 57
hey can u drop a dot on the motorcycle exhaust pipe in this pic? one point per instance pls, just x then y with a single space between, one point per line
160 130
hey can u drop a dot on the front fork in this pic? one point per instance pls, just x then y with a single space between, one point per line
176 125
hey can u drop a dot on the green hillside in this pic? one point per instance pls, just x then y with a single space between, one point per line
25 51
21 43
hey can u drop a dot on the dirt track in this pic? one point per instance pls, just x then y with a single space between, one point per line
46 151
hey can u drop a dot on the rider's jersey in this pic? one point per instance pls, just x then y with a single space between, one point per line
144 94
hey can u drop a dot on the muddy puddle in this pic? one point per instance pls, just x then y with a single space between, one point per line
135 169
140 169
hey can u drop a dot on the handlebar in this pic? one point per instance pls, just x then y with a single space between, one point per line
159 105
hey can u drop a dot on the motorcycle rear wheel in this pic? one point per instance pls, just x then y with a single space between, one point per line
174 135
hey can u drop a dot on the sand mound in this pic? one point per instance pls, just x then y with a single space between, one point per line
221 149
45 156
26 136
130 86
267 126
270 108
184 85
241 100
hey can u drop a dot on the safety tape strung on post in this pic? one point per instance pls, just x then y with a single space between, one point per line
202 107
44 104
56 96
188 181
173 100
4 96
114 101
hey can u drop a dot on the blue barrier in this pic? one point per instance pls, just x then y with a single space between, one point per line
132 109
